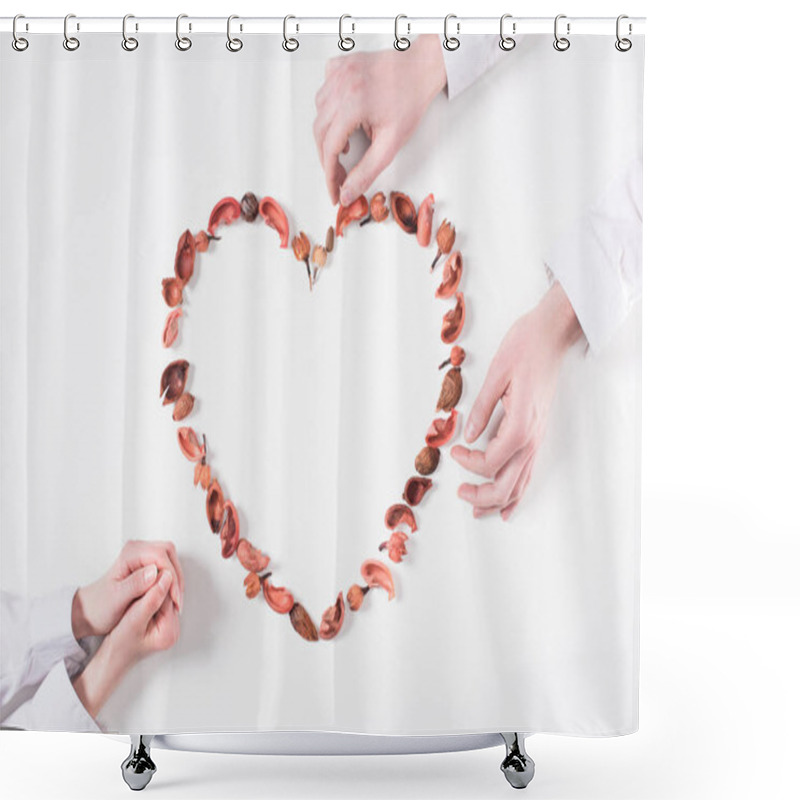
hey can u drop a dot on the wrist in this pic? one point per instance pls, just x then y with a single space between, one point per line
434 58
81 626
99 678
566 325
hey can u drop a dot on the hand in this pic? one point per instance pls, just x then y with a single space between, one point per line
384 92
150 624
98 607
523 375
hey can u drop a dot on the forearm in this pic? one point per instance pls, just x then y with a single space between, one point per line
80 624
100 677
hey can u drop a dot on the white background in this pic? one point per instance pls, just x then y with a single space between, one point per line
720 597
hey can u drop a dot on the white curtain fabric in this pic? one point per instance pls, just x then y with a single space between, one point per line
315 404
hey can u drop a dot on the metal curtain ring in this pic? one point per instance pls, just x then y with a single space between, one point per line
19 43
70 42
233 44
451 42
623 45
401 42
507 42
346 42
561 43
129 43
289 44
181 42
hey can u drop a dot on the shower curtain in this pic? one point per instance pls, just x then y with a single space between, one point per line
251 302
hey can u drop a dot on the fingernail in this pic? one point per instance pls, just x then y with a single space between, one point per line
346 197
166 577
469 431
150 573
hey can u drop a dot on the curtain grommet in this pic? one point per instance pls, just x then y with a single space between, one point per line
346 43
451 42
623 44
70 43
183 43
401 42
507 42
561 43
233 44
19 43
129 43
289 44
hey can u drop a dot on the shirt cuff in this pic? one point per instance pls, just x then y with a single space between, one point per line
54 707
475 55
50 630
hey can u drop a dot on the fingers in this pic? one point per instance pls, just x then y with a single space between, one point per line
519 490
139 553
138 582
511 436
378 156
494 385
147 605
334 142
498 493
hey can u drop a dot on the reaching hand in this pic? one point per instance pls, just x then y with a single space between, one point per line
98 607
384 92
523 376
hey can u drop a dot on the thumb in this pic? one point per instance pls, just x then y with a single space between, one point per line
377 157
151 601
137 583
492 390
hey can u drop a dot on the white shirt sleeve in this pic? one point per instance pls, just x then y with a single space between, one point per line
39 656
474 56
598 261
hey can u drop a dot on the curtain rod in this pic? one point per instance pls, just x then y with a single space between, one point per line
325 25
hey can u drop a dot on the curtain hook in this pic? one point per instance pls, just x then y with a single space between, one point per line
129 43
181 42
561 43
19 43
346 42
233 44
623 45
401 42
507 42
451 42
289 44
70 42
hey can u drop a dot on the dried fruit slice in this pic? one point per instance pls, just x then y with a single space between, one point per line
184 257
395 545
453 320
403 211
416 488
229 529
173 380
356 210
377 574
451 275
278 598
250 557
223 213
332 619
424 221
215 503
183 406
302 623
172 291
190 444
441 430
275 217
171 329
451 390
398 514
